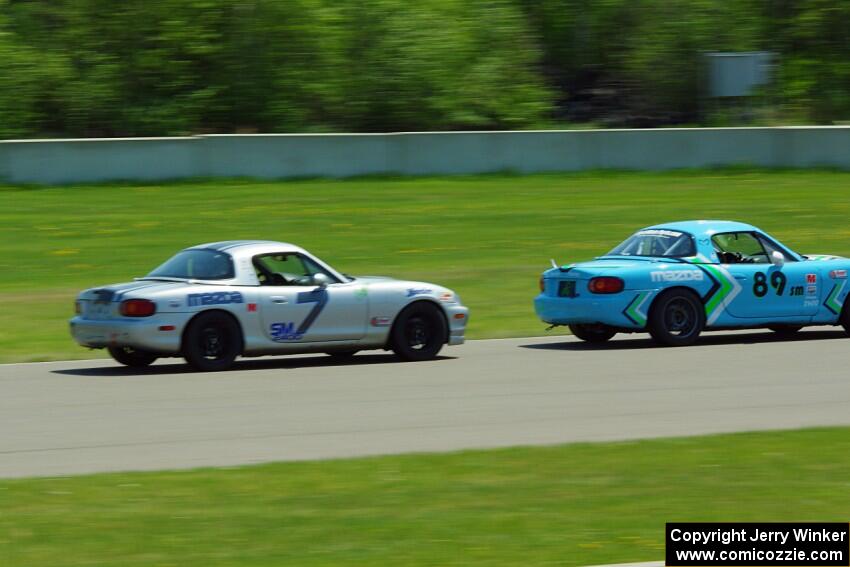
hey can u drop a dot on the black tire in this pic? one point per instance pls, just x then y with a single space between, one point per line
786 330
128 356
593 333
212 342
419 332
342 354
676 318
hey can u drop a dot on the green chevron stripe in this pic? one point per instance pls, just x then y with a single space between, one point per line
632 310
831 301
726 288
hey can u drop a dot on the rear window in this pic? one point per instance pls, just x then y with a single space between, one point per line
198 265
657 242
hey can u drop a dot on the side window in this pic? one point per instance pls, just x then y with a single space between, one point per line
286 269
770 247
739 248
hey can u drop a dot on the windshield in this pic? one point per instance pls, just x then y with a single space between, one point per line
657 242
196 265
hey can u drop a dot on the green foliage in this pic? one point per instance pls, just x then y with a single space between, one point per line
171 67
178 67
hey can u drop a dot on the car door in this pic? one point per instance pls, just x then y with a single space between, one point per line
295 309
769 288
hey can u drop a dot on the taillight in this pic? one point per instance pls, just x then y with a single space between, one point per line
605 284
137 308
542 284
78 307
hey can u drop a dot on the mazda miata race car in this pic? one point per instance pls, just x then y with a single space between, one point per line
675 280
214 302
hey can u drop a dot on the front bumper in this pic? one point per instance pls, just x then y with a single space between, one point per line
457 316
161 333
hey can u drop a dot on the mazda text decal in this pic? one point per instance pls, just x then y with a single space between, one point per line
677 276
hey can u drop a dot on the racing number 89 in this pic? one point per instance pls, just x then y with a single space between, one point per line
777 282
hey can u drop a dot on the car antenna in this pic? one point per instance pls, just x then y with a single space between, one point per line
554 264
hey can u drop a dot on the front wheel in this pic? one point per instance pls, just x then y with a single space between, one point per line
129 356
212 342
419 332
676 318
592 333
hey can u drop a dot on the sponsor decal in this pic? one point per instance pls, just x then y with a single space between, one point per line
677 276
447 296
811 290
811 278
381 321
361 293
420 291
216 298
252 308
284 332
174 303
838 274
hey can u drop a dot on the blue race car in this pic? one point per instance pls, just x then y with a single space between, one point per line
675 280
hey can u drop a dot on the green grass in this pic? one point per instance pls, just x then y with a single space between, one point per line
488 237
579 504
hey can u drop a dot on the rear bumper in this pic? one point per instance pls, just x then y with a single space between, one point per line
151 334
627 309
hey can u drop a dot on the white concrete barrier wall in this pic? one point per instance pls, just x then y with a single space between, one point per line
274 156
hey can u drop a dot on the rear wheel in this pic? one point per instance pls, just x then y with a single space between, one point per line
593 333
785 330
129 356
419 332
212 342
676 318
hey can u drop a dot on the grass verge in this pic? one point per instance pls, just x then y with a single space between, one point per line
488 237
580 504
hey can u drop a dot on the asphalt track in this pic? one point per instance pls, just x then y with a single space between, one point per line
91 416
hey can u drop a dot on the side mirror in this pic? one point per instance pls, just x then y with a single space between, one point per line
321 280
777 257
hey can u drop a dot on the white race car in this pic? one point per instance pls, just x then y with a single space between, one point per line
214 302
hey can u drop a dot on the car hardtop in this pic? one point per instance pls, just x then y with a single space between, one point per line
252 247
243 252
702 231
705 228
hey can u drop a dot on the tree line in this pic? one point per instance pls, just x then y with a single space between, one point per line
173 67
